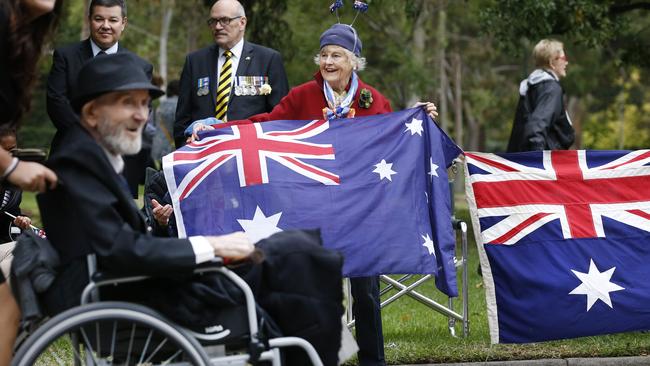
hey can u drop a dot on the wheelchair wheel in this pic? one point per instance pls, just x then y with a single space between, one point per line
110 333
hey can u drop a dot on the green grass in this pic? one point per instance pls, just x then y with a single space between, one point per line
415 334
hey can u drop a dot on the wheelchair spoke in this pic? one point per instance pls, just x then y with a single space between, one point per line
173 357
89 347
146 345
131 339
58 359
113 339
97 340
55 356
76 347
155 351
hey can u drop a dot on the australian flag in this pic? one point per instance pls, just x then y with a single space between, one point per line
376 187
564 241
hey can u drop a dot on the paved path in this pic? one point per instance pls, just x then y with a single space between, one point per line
609 361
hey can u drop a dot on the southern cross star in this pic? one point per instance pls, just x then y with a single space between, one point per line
414 127
432 168
261 226
428 243
384 170
596 285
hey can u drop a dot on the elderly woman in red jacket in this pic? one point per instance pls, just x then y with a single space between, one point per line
337 92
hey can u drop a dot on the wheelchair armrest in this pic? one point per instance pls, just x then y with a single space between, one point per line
108 277
101 279
215 263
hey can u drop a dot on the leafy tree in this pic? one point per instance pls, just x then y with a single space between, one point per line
608 43
619 25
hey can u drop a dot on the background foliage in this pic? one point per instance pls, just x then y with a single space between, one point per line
467 56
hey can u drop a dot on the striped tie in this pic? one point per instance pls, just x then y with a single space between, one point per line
223 90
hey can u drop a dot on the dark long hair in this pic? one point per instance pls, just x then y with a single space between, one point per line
26 43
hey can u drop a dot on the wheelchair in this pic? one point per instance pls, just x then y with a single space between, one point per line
103 333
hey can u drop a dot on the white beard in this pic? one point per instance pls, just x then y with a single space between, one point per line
117 140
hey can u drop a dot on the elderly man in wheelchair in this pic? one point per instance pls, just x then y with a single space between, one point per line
196 311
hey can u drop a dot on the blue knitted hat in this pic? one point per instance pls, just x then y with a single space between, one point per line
342 35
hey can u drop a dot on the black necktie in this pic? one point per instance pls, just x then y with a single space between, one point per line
101 53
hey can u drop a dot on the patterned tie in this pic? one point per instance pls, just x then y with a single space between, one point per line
223 90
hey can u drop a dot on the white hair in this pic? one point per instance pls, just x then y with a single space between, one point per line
358 63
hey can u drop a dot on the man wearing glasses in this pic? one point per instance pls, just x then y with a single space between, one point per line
232 79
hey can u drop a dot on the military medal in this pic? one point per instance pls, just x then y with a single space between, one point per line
203 86
252 85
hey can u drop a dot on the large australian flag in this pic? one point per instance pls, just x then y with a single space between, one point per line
376 187
564 241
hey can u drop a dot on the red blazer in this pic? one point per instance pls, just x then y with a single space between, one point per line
306 101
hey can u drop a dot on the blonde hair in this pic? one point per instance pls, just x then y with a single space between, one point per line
545 51
358 63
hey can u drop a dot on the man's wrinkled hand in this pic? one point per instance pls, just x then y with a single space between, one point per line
235 246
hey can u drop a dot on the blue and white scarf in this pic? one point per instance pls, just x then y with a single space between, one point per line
339 111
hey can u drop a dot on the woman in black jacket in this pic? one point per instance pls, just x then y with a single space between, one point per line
541 121
24 27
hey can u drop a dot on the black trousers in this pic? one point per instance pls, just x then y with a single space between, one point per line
366 308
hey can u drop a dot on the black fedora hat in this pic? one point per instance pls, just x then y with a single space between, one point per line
110 73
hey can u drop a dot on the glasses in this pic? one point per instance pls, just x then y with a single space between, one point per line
224 21
563 58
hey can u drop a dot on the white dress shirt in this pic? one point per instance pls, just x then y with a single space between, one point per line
96 49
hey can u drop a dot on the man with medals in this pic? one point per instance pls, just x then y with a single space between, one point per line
231 79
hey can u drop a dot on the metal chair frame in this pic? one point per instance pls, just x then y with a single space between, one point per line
410 290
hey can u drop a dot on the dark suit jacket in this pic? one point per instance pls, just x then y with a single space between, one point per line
255 61
92 212
66 63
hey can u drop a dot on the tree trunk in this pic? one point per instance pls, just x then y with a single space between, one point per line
418 49
474 128
458 99
576 110
85 27
620 99
196 11
168 13
442 45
